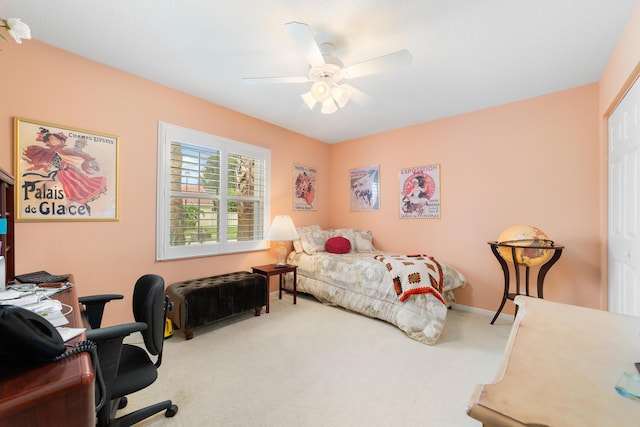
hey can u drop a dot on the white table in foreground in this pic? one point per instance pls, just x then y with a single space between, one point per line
560 367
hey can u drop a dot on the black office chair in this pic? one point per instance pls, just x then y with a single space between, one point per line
128 368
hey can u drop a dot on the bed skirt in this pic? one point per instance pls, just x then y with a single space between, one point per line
421 317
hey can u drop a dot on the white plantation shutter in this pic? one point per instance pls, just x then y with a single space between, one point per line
212 194
245 197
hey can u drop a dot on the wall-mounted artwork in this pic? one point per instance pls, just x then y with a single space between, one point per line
64 174
420 192
365 188
304 188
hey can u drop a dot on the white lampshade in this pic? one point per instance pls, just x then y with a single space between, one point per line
321 90
329 106
309 100
282 229
330 95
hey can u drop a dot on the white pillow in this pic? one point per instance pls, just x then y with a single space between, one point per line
312 239
302 232
364 241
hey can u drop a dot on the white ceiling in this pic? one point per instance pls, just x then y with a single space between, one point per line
467 54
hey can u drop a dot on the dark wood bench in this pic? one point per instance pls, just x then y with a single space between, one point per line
205 300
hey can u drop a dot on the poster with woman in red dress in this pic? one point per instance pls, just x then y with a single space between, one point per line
304 188
65 174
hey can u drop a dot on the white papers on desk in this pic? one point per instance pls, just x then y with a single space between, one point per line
68 333
25 299
53 316
37 300
49 309
9 294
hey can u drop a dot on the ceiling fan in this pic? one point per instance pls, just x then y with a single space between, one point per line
327 73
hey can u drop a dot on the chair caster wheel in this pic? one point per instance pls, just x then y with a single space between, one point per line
123 402
171 411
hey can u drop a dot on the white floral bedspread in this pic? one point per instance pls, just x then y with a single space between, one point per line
359 282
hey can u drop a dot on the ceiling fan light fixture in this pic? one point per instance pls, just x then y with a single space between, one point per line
321 90
341 95
329 106
309 100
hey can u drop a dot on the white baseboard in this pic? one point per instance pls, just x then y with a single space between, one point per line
489 313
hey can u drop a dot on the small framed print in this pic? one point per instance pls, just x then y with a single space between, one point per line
304 188
64 173
365 188
420 192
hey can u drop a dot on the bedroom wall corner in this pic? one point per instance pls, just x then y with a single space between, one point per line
529 162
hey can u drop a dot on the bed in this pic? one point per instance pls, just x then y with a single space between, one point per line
410 291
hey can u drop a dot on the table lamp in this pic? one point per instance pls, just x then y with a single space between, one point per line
282 230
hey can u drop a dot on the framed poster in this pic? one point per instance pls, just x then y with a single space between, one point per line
64 174
420 192
365 188
304 188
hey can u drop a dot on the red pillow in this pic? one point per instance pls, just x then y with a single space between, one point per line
338 245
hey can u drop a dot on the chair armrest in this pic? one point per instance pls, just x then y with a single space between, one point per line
113 332
99 299
94 307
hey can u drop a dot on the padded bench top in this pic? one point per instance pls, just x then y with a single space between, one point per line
220 278
237 277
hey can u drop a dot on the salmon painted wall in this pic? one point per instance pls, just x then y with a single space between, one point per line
43 83
530 162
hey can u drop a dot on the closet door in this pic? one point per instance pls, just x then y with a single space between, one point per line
624 213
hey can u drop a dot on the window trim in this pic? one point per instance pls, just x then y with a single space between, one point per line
166 134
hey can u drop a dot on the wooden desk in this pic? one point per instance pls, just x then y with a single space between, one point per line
560 368
55 393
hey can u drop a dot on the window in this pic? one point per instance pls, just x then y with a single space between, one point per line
212 194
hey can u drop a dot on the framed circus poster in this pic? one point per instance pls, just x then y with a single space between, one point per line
304 188
365 188
420 192
64 173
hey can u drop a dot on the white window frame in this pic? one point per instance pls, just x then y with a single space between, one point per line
168 133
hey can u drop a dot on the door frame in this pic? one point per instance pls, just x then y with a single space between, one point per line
604 250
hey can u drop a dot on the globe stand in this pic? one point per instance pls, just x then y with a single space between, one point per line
518 263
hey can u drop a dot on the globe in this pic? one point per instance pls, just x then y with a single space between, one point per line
525 235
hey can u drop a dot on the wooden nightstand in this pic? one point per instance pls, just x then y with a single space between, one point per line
271 270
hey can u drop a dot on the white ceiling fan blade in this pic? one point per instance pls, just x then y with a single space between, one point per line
306 42
274 80
381 64
359 96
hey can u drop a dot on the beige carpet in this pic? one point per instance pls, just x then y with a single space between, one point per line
315 365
